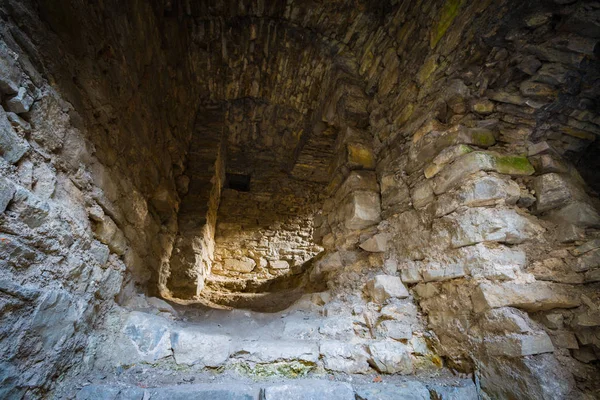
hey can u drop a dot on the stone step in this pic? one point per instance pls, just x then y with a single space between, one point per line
301 389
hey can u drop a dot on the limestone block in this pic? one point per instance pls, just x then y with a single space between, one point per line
18 122
422 194
344 357
437 272
357 181
268 351
578 213
309 389
212 391
10 74
488 190
361 210
147 338
279 264
519 345
390 358
110 285
192 346
45 181
7 191
411 274
535 296
565 340
590 318
397 330
446 156
339 328
492 262
553 191
12 146
505 319
360 156
588 261
476 161
476 225
20 103
244 265
384 287
377 243
54 319
31 210
406 391
107 232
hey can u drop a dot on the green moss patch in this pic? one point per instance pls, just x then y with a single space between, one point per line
447 14
514 165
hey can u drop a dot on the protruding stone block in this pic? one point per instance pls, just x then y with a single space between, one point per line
519 345
361 210
384 287
244 264
376 243
535 296
192 347
391 358
12 146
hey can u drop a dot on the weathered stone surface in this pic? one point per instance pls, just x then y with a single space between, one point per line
437 272
361 210
20 103
478 225
577 213
494 262
192 347
552 191
150 336
588 261
406 391
310 390
55 319
397 330
216 391
376 243
533 296
279 264
267 352
7 191
244 264
384 287
344 357
10 75
390 358
12 146
476 161
519 345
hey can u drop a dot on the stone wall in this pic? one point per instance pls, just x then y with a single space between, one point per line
89 156
482 214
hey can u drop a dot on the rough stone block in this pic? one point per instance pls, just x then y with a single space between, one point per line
309 390
244 265
478 225
588 261
191 347
404 391
10 74
361 210
578 213
376 244
107 232
7 191
147 338
397 330
492 262
20 103
553 191
279 264
344 357
385 287
265 351
519 345
12 146
535 296
390 358
437 272
208 391
422 194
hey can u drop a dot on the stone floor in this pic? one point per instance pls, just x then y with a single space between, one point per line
149 349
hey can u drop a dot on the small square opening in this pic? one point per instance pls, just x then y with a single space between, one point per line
238 182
